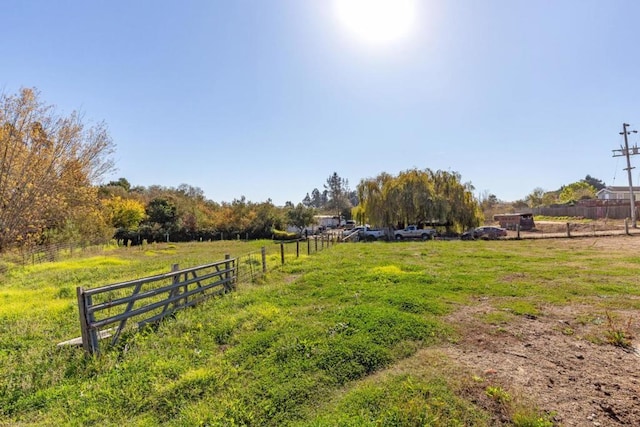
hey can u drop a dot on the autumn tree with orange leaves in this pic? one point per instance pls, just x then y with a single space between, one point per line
48 167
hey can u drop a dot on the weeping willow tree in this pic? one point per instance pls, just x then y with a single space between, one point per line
418 197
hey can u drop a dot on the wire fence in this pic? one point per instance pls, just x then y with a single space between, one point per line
50 252
250 267
253 265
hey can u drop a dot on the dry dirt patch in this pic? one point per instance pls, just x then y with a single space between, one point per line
559 360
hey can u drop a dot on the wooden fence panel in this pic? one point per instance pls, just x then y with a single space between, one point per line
591 212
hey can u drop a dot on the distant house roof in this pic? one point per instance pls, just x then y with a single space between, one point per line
618 192
617 189
621 188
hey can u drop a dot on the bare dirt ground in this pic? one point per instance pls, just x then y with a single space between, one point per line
559 360
548 229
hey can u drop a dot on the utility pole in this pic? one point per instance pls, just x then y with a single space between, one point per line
624 151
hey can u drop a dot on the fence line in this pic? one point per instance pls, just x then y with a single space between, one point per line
31 255
254 265
251 266
290 249
610 211
570 230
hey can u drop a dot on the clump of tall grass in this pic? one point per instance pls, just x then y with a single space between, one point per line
619 335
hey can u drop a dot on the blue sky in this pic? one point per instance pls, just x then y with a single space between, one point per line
267 98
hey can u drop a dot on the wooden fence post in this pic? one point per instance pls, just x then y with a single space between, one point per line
175 280
626 226
263 254
89 337
235 265
297 248
518 231
227 275
282 253
84 327
568 230
308 247
316 240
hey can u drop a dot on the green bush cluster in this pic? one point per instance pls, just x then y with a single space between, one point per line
284 235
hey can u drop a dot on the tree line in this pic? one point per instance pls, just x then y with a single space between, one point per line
568 194
51 167
158 213
580 190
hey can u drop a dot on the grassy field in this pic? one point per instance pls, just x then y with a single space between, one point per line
326 340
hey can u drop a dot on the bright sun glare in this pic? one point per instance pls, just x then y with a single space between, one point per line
377 21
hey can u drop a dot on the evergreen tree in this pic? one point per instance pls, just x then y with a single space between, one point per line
594 182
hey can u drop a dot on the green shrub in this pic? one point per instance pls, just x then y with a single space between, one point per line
284 235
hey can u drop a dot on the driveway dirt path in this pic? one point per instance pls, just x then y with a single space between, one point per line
555 361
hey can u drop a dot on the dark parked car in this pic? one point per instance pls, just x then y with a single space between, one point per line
485 233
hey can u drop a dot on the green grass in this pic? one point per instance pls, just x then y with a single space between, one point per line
336 338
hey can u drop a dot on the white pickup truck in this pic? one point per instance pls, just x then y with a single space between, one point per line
363 233
413 232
